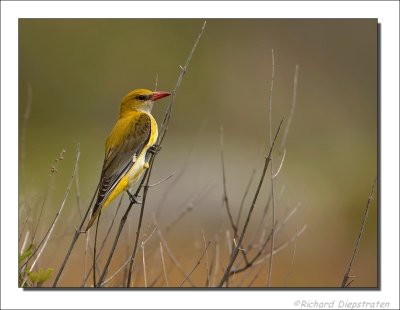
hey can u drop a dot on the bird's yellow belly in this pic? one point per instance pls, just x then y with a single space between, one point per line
137 169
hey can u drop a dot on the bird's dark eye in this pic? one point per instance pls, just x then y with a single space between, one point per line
141 97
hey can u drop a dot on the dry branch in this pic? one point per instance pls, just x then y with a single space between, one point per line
197 264
236 250
347 275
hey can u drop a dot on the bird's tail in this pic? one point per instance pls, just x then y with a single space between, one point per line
95 214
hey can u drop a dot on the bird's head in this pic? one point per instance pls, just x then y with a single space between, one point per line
141 99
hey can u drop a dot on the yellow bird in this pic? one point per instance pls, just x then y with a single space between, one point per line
131 138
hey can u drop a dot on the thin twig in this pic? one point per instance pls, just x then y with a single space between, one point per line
257 274
143 256
197 264
280 165
290 118
293 255
285 244
78 232
272 172
163 264
25 242
95 249
164 125
28 107
228 241
78 192
239 244
250 262
347 275
190 206
217 257
207 267
145 191
53 171
116 239
169 189
115 273
211 268
163 180
105 237
276 250
169 252
144 265
253 172
225 194
85 259
156 83
51 229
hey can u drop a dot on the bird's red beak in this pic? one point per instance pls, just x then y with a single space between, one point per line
159 94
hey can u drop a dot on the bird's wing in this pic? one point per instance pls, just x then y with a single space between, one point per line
120 157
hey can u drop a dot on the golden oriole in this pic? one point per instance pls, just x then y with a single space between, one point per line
133 135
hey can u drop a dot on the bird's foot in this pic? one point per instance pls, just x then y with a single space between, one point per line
132 198
154 149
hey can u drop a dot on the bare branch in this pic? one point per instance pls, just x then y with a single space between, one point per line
85 257
290 118
207 267
24 243
44 242
293 255
236 249
272 172
276 250
171 255
143 257
190 205
253 172
95 249
24 128
164 124
197 264
121 226
280 165
347 275
105 237
53 171
229 242
251 262
156 83
225 196
163 264
78 232
217 257
116 272
163 180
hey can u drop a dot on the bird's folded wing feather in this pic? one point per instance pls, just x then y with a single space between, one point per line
122 151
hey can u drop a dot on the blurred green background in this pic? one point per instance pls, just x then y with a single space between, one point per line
77 70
